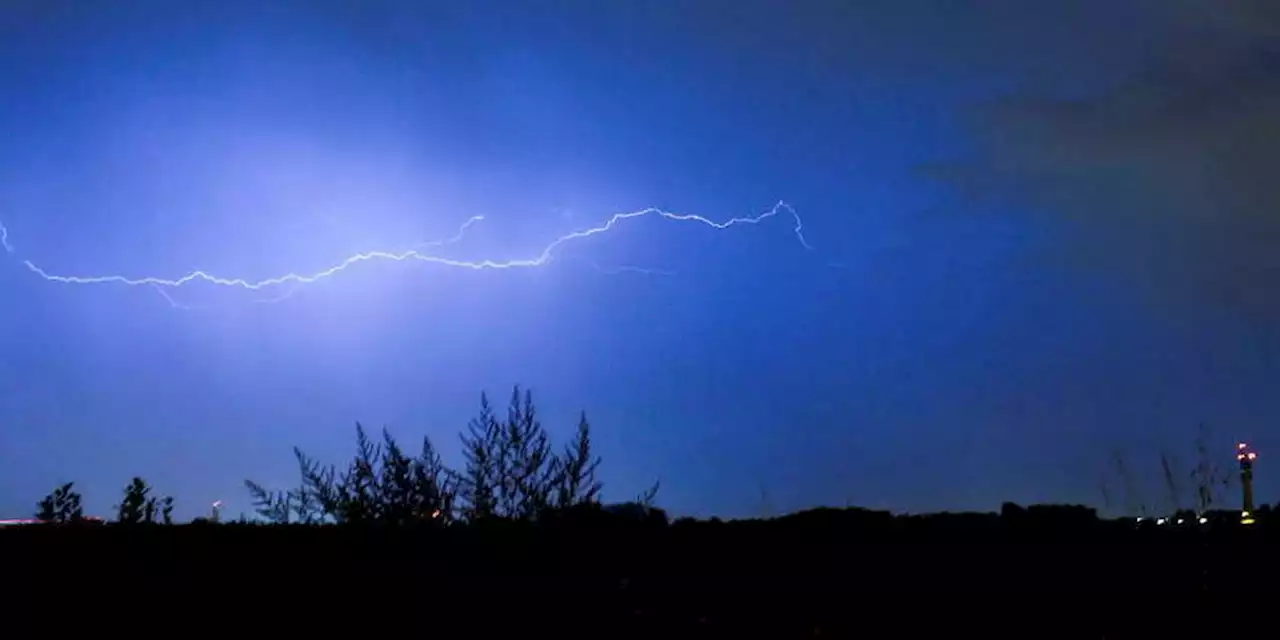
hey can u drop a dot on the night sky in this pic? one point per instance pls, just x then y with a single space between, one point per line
1043 233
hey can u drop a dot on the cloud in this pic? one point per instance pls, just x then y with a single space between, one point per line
1170 179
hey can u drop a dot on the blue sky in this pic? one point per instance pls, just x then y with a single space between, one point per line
976 322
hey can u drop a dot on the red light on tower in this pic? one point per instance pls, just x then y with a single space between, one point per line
1246 457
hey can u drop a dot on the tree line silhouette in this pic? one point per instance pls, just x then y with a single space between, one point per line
391 513
511 472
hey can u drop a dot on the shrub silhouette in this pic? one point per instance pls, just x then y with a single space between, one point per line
511 471
61 506
140 507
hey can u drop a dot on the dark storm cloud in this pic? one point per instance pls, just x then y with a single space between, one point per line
1170 179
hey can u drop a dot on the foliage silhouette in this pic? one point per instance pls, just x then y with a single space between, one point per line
520 506
61 506
133 508
166 510
579 484
648 496
479 478
139 506
511 471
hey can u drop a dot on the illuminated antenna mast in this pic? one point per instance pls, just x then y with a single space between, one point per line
1246 457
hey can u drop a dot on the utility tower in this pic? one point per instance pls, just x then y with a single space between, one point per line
1246 457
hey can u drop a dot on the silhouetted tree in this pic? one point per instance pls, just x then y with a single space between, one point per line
382 484
302 506
63 505
274 506
511 471
395 488
139 506
315 499
166 510
434 487
577 483
358 487
481 473
46 511
350 497
647 496
133 509
528 469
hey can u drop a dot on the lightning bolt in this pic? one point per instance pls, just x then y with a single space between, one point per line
543 258
173 303
4 238
293 287
457 237
611 271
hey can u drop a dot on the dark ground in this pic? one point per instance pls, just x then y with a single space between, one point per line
826 573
